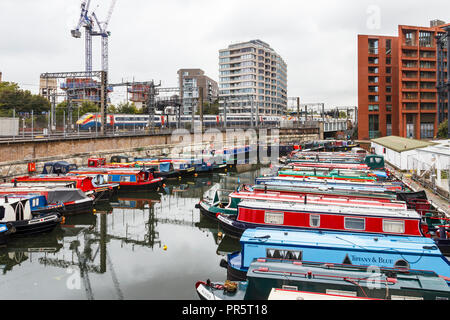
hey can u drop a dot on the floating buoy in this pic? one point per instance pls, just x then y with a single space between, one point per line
220 234
63 220
196 175
165 248
94 211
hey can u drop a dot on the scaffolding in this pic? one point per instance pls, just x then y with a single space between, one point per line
78 87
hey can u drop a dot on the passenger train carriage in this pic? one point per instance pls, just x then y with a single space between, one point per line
128 121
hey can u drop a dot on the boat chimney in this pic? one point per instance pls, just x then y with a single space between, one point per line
6 199
306 196
15 183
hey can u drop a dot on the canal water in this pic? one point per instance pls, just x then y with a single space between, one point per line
138 246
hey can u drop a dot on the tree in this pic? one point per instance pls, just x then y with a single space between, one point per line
12 97
127 108
210 109
443 130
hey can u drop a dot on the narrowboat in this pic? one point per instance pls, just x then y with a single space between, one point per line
181 167
128 179
135 179
74 200
382 187
212 205
38 203
17 212
326 281
58 167
374 162
382 251
380 175
103 189
101 163
331 175
376 219
83 183
160 169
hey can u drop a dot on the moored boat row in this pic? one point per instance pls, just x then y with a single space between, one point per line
332 211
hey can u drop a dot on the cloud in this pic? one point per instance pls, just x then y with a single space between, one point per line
153 39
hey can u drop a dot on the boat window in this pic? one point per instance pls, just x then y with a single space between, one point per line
342 293
393 226
124 178
354 223
290 288
394 297
274 217
284 254
314 221
401 264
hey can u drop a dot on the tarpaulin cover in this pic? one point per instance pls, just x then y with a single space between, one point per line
65 195
408 196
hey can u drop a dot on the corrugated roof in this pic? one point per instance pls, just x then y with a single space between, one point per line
400 144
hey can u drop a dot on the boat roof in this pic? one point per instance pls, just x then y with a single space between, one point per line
394 213
319 199
10 200
340 240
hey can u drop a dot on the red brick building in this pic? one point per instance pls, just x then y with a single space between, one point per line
397 92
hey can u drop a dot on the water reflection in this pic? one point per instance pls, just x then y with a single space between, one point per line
137 246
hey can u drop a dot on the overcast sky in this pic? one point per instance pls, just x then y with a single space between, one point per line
153 39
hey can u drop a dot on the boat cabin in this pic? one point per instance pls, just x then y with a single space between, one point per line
382 251
58 167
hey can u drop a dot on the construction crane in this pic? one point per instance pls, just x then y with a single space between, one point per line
86 22
104 33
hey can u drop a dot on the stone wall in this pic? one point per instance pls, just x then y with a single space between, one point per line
14 157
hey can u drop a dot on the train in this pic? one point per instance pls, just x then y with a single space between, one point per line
129 121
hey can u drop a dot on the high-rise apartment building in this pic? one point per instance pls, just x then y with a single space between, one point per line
189 81
397 92
252 75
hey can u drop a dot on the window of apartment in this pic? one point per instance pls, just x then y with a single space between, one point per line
373 88
389 79
373 126
409 37
388 70
427 130
425 39
373 98
389 98
374 107
373 46
373 79
388 46
388 60
373 70
388 89
373 60
389 107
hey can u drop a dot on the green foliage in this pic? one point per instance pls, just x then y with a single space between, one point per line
127 108
443 130
12 97
210 109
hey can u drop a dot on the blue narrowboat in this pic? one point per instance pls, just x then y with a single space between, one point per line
326 281
383 251
39 203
